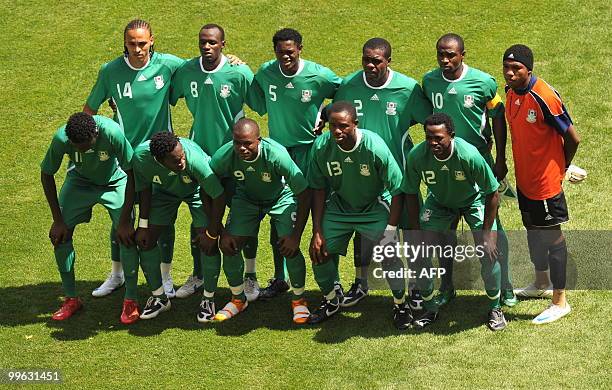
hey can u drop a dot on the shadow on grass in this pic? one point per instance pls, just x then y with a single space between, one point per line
34 304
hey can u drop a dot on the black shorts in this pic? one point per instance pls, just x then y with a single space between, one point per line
543 213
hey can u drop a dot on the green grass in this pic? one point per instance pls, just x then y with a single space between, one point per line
49 56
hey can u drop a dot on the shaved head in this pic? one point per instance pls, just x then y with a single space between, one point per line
246 126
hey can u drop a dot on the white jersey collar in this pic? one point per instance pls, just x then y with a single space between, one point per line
134 68
258 154
359 136
391 73
463 73
451 153
300 67
221 63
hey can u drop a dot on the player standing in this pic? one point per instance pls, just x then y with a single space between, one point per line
100 164
469 96
387 103
292 91
359 169
138 82
544 142
267 182
169 171
460 184
215 92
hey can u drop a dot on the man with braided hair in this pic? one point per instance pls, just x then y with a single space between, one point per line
138 82
169 171
98 173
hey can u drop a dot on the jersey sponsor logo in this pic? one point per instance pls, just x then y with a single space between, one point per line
156 179
289 85
208 81
364 170
452 91
426 215
225 91
459 175
517 102
375 98
159 81
265 176
531 116
250 169
391 108
142 78
468 101
186 179
444 168
348 160
103 155
306 95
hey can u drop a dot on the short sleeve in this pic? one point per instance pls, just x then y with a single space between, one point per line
204 174
418 106
412 180
55 154
289 169
316 179
99 93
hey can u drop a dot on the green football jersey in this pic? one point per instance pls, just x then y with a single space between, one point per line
148 171
388 110
293 103
467 101
455 182
101 164
357 178
215 99
263 179
141 95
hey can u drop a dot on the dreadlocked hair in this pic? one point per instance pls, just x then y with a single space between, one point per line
135 24
81 127
163 143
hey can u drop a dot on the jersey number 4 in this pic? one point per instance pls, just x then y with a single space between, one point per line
127 90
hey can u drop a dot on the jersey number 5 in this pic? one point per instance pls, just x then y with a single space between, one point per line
272 93
127 90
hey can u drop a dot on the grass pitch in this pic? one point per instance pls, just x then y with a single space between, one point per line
50 55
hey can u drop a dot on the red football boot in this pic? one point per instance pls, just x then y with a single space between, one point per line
130 312
69 307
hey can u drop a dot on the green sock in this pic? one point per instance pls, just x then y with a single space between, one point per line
166 244
114 245
296 267
491 275
280 268
196 255
211 268
129 262
503 248
494 303
149 262
65 257
233 267
325 274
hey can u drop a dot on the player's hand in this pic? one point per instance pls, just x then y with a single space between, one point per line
490 144
318 130
112 105
143 238
575 175
318 249
59 233
389 237
500 169
125 234
234 60
228 244
289 245
489 239
205 243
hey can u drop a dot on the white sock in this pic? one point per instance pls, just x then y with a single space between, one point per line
208 295
331 295
116 268
159 291
298 291
249 265
165 268
399 301
237 290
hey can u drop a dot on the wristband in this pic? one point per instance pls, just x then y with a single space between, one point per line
143 223
391 227
209 236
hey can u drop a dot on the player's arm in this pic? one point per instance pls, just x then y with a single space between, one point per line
500 133
59 232
125 230
490 213
410 187
290 244
414 209
98 94
142 235
571 139
318 247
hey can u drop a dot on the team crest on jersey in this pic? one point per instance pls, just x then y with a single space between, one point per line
426 215
391 108
265 176
364 170
468 101
186 179
306 95
159 81
103 155
225 91
459 175
531 116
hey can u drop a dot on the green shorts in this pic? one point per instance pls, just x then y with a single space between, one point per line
438 218
300 154
338 226
78 196
245 215
164 209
